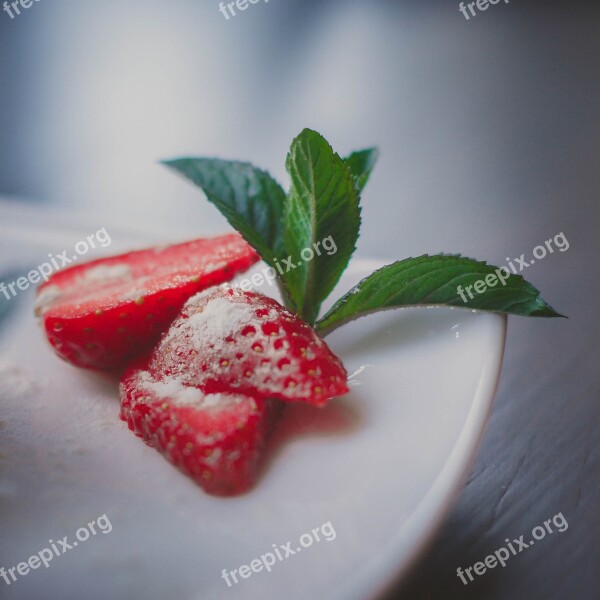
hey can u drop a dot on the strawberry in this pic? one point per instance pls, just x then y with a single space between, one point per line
217 439
204 396
227 340
101 314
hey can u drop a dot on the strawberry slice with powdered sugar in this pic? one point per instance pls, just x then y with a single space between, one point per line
217 439
204 396
227 340
103 313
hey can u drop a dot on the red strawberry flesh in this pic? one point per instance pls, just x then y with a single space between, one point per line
227 340
103 313
217 439
204 397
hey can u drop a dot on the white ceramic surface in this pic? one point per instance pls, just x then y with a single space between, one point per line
382 465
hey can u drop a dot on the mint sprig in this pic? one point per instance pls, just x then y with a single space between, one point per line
324 202
435 281
361 164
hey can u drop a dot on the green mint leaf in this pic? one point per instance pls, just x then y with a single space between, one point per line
322 204
434 280
250 199
361 164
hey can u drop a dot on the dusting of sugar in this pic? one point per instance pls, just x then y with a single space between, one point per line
213 458
173 389
46 298
14 381
240 342
221 401
107 272
135 292
213 399
219 319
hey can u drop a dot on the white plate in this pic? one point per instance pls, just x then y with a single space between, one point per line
382 465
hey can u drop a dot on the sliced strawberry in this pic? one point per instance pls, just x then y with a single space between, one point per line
204 396
217 439
102 313
231 341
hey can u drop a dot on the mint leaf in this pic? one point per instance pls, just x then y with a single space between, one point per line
433 280
250 199
361 164
322 203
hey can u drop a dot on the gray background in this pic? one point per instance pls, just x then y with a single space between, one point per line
490 137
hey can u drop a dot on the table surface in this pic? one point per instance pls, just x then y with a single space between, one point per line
540 456
490 141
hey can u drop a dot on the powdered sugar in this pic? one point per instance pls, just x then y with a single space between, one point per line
226 339
173 390
14 381
213 400
102 273
46 298
107 272
219 319
214 457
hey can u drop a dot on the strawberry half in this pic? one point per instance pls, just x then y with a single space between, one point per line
217 439
203 397
101 314
227 340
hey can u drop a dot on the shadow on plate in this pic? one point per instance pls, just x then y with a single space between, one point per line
340 417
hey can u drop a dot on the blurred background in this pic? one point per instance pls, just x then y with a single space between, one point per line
490 140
